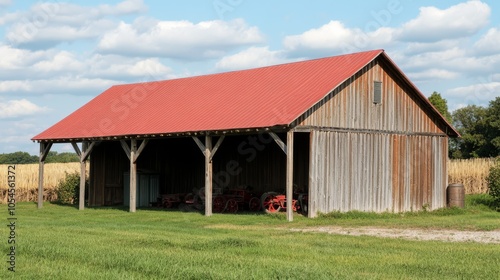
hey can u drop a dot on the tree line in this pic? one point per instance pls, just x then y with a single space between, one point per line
479 127
26 158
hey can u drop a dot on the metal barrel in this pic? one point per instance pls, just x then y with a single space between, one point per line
455 195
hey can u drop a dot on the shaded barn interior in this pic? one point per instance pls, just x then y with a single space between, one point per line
252 160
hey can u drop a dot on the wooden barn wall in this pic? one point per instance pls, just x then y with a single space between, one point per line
247 160
108 162
351 105
376 172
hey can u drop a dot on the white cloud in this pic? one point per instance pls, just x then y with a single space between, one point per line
116 67
49 23
179 39
334 38
17 108
477 94
433 24
440 74
63 61
489 43
251 58
4 3
57 85
14 86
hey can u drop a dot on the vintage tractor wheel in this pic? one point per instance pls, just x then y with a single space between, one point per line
269 202
254 204
218 204
231 206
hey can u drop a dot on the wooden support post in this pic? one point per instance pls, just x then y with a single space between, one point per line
208 176
133 175
44 151
83 154
289 175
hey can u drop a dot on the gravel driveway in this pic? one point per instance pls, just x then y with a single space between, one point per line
413 234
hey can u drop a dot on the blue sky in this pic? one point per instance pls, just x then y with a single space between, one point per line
57 55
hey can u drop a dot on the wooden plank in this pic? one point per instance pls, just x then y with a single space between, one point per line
200 145
88 150
140 149
289 175
44 150
133 175
208 175
279 141
81 197
77 149
125 148
216 147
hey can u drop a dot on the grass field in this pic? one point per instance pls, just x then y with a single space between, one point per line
60 242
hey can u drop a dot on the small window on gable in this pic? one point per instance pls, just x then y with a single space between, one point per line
377 92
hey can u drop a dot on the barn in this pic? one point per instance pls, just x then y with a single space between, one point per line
350 131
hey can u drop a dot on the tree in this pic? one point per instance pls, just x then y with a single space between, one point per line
17 158
493 120
441 105
472 123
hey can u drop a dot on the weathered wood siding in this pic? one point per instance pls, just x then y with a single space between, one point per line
376 172
351 106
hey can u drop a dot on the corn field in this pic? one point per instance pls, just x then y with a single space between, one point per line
27 180
471 173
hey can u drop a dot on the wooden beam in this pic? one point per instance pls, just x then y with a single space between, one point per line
279 141
208 176
289 175
44 150
81 197
217 145
88 150
125 148
200 145
141 148
77 149
133 175
84 154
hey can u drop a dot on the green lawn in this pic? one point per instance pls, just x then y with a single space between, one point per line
60 242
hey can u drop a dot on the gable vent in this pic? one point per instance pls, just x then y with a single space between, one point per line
377 92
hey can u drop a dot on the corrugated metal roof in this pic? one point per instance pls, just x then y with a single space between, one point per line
256 98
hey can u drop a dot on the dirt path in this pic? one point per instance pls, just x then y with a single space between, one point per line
413 234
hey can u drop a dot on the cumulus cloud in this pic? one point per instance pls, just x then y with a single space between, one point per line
179 39
479 94
17 108
335 38
48 23
433 24
251 58
489 43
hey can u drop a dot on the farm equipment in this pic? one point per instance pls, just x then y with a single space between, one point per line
273 202
232 200
229 201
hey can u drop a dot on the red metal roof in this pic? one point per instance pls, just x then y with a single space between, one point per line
254 98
